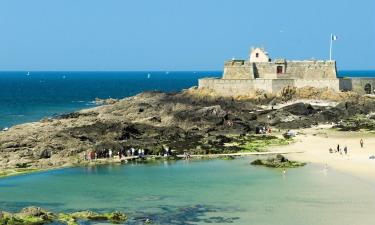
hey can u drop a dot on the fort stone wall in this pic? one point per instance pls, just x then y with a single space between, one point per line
279 84
241 69
265 70
235 87
360 85
238 69
318 83
243 87
311 69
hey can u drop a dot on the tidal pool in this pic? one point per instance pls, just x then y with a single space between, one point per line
199 192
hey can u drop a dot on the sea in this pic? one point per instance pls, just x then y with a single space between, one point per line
31 96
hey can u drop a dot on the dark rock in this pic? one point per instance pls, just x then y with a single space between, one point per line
300 109
45 154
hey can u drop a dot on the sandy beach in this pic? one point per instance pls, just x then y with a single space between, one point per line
316 141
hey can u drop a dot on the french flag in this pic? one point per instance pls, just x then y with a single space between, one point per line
333 37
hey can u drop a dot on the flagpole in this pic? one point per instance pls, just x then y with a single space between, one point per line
330 49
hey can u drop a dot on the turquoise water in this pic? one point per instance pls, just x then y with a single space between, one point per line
43 94
200 192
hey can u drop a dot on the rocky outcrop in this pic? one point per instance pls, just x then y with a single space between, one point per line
277 162
185 121
357 122
39 216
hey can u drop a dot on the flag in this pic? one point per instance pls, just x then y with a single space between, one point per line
333 37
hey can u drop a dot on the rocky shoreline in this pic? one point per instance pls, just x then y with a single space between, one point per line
191 121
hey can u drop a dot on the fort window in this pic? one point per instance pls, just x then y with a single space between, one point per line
368 88
257 55
279 69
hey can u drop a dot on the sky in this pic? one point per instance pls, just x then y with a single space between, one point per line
128 35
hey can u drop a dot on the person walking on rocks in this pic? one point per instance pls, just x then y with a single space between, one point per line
361 143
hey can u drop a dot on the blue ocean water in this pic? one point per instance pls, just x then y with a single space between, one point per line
356 73
26 98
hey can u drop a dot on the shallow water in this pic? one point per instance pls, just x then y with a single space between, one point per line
199 192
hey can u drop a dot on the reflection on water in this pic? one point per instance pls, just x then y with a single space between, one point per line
199 192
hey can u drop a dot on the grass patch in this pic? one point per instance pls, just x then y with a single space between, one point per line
255 143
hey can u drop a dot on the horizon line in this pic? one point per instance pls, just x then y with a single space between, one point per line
1 71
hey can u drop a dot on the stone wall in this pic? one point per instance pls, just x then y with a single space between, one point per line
243 87
318 83
235 87
238 69
345 84
359 85
265 70
311 69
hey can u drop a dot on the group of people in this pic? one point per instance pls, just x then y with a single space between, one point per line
344 150
339 150
263 130
92 155
108 153
136 152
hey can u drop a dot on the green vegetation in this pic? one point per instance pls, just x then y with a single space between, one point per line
356 122
38 216
255 143
24 219
67 219
277 162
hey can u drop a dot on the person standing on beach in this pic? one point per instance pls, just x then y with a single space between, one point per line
338 148
346 150
361 142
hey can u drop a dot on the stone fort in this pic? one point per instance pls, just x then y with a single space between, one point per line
260 72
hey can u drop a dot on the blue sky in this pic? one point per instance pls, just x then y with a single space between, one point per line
179 34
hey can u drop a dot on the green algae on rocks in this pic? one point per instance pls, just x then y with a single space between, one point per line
277 162
39 216
257 143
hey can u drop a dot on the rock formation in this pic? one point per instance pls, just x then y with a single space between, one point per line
185 121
